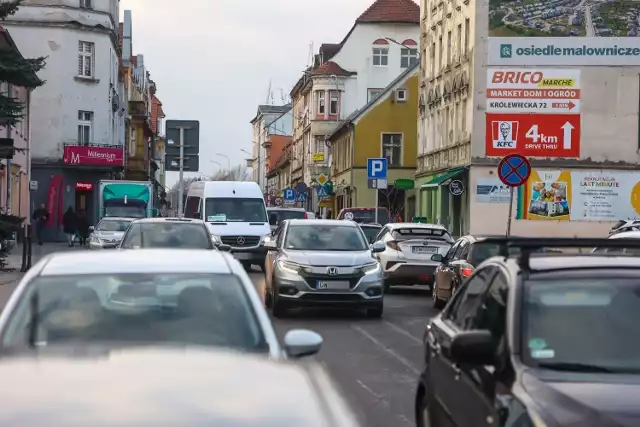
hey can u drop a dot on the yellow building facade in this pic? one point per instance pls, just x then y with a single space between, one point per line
387 126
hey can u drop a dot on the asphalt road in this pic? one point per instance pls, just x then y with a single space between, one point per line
376 363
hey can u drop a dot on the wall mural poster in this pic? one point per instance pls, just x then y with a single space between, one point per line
53 194
563 18
580 195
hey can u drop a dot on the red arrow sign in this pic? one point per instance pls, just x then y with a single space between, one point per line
533 135
563 105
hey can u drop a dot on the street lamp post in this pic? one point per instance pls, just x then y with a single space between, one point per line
228 160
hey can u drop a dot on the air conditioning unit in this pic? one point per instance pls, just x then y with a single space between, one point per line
400 95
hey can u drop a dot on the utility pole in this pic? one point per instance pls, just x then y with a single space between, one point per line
181 174
182 152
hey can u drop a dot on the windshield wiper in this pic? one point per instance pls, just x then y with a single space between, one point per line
34 314
575 367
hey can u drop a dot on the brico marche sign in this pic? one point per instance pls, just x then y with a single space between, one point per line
533 112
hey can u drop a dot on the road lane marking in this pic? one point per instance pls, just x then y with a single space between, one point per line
387 350
403 332
384 401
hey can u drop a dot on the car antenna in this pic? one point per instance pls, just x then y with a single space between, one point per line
34 314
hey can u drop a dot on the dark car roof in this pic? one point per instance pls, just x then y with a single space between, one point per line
160 387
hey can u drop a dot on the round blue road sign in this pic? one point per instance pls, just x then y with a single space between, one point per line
514 170
301 187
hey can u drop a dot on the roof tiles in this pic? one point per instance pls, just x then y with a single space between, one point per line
405 11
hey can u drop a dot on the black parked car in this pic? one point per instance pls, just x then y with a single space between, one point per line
538 341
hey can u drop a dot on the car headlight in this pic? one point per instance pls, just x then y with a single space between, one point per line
93 240
265 238
216 239
370 268
289 266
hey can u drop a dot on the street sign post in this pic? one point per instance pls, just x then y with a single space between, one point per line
513 170
183 146
533 135
321 191
278 201
377 169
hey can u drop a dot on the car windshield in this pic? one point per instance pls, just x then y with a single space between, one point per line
620 251
113 225
582 324
482 251
422 233
178 235
371 232
315 237
128 211
130 309
284 215
231 209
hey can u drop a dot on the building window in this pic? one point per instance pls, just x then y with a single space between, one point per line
85 126
440 54
373 94
449 57
392 148
401 95
409 53
320 145
380 53
85 59
320 105
467 31
85 4
459 40
334 101
433 59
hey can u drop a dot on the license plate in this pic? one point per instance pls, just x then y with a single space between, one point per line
332 285
242 255
423 250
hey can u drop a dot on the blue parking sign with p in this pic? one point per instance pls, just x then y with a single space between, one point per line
289 194
377 168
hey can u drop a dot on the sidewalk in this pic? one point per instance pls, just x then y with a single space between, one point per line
15 258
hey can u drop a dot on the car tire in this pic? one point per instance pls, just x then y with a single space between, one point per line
386 288
277 308
268 298
437 302
423 415
375 313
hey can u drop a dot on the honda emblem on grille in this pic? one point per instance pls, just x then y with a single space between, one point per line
240 240
332 271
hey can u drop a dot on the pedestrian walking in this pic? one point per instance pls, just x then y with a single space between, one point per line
70 225
83 227
40 217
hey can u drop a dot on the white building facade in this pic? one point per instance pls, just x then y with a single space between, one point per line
261 128
78 116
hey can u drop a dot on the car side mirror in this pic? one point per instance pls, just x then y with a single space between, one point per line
377 247
476 347
273 219
437 258
224 248
92 228
302 342
270 245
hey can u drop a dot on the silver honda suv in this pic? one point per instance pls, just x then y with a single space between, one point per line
322 263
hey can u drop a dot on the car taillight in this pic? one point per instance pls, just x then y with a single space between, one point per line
306 216
466 272
393 245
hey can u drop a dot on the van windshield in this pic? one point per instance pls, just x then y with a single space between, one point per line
222 209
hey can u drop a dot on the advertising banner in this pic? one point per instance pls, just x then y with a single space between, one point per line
532 135
580 195
82 155
571 51
526 90
491 190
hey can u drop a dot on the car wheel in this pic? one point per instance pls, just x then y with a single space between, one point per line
375 312
268 298
437 302
277 308
386 287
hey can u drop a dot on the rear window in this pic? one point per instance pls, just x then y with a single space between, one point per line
366 216
284 215
176 235
371 232
422 233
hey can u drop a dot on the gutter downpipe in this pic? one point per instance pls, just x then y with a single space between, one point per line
353 140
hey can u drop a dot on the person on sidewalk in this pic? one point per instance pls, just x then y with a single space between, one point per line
82 225
40 217
70 225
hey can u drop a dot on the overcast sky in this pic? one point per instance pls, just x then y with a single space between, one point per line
212 60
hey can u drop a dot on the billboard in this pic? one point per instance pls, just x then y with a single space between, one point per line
563 18
83 155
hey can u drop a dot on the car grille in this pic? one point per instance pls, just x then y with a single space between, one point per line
312 279
233 241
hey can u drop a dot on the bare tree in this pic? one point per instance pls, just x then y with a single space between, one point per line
236 173
390 199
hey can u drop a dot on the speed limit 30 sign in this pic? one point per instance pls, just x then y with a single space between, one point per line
533 135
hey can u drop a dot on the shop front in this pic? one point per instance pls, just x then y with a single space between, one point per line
442 198
73 183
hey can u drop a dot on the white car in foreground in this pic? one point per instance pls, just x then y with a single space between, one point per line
409 247
126 298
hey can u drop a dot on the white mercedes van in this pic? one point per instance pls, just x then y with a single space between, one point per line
235 212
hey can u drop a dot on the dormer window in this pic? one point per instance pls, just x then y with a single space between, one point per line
408 53
380 53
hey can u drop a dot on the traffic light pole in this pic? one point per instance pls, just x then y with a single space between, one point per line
181 176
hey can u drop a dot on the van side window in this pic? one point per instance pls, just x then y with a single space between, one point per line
191 207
